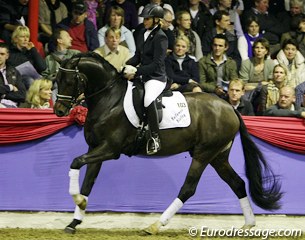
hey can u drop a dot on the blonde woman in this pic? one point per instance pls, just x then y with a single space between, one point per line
24 53
39 95
269 94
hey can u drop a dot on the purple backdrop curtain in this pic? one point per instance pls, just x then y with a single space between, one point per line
34 177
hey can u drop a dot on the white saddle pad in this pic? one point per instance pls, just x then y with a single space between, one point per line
175 111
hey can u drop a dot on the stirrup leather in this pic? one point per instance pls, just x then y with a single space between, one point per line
153 145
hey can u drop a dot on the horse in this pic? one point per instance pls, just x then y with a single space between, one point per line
208 139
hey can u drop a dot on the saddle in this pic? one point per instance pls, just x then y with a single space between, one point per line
138 92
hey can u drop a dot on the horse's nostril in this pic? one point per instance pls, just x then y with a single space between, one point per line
59 113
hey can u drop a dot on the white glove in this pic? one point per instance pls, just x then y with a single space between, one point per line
129 69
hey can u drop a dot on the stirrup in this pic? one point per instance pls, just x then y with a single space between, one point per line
153 145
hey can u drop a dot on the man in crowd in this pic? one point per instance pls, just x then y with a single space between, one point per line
12 89
285 106
235 97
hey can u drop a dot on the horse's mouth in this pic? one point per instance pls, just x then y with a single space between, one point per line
60 110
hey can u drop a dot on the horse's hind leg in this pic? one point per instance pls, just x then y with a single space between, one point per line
92 172
187 190
227 174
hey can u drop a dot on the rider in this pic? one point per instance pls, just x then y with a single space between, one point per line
150 66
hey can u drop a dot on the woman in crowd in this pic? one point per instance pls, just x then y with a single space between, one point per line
116 20
291 57
182 69
25 57
245 42
258 69
39 95
269 94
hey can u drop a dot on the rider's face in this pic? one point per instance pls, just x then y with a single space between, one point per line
148 23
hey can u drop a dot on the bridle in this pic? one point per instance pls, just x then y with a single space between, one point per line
79 79
66 98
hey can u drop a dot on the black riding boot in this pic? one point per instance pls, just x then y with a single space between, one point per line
153 143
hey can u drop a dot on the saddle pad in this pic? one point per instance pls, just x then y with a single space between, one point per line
175 111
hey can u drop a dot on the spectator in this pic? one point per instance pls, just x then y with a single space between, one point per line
114 53
183 27
200 15
61 42
158 2
13 13
269 94
235 25
235 98
12 89
25 57
270 25
258 69
131 17
182 69
245 42
81 29
285 106
291 57
39 95
51 12
216 69
298 35
116 20
300 95
167 27
221 20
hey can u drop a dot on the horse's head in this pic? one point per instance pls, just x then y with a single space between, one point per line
84 73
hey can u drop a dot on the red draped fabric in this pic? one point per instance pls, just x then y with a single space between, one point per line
24 124
19 125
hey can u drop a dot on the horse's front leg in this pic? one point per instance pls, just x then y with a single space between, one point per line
92 172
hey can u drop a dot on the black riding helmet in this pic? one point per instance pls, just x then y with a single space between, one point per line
152 10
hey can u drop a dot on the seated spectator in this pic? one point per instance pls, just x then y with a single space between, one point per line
235 98
258 69
216 69
285 106
60 44
235 25
221 20
269 23
158 2
300 95
129 7
269 94
291 57
298 35
12 89
245 42
200 15
182 69
39 95
114 53
81 29
51 12
25 57
116 20
13 13
183 27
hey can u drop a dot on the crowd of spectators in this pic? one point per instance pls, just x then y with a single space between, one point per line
251 53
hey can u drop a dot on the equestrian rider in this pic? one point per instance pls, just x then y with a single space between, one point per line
149 61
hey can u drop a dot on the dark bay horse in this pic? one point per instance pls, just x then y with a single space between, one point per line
208 139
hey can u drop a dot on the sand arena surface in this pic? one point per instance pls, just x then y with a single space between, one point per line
58 220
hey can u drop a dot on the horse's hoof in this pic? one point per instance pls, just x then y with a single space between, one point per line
153 229
80 201
247 226
70 230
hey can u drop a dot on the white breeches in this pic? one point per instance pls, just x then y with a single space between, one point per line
153 88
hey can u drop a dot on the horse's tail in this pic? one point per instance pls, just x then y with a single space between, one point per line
263 184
